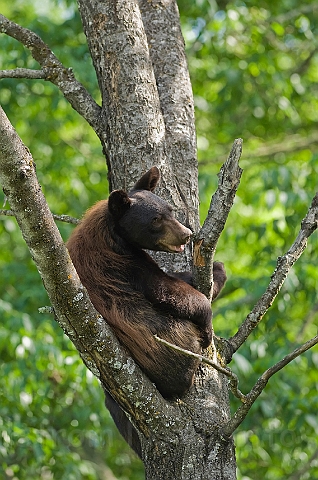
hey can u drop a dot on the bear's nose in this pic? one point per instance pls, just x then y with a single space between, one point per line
186 234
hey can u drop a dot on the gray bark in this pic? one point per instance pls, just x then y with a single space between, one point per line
133 128
143 124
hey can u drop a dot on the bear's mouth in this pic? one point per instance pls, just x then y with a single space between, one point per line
178 248
173 248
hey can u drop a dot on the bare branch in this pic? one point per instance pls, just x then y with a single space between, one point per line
284 264
55 71
261 383
23 73
66 219
61 218
221 203
225 370
6 212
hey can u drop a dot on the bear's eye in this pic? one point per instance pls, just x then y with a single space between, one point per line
156 221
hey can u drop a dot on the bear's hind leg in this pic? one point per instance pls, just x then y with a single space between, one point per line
125 427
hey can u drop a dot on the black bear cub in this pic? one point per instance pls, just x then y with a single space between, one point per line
135 297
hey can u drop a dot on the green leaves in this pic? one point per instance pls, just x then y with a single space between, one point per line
52 408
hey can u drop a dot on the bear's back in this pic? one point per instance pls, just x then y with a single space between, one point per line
109 277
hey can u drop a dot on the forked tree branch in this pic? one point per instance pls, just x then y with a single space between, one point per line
284 264
54 71
60 218
133 127
259 386
221 204
161 22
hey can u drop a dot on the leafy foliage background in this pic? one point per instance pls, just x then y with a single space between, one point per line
254 70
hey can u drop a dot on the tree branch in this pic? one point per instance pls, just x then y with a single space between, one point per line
61 218
93 338
23 73
284 264
259 386
55 71
221 203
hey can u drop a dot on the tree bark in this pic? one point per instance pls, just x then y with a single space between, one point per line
142 124
133 128
148 117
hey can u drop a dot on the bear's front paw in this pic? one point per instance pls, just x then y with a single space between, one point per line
219 278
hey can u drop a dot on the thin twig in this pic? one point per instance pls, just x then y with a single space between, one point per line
46 309
23 73
284 264
225 370
61 218
66 219
261 383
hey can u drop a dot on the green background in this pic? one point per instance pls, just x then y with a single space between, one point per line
254 70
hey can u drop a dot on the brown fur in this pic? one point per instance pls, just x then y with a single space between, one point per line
135 297
104 274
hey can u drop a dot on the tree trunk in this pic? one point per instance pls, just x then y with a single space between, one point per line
148 119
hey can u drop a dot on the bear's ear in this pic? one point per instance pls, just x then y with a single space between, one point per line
118 203
149 180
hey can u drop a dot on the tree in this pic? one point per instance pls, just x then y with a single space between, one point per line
145 121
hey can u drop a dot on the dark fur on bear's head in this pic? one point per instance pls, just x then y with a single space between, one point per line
144 219
135 297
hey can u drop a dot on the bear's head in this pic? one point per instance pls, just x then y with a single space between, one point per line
145 220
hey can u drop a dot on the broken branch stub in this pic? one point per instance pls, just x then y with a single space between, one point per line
221 203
